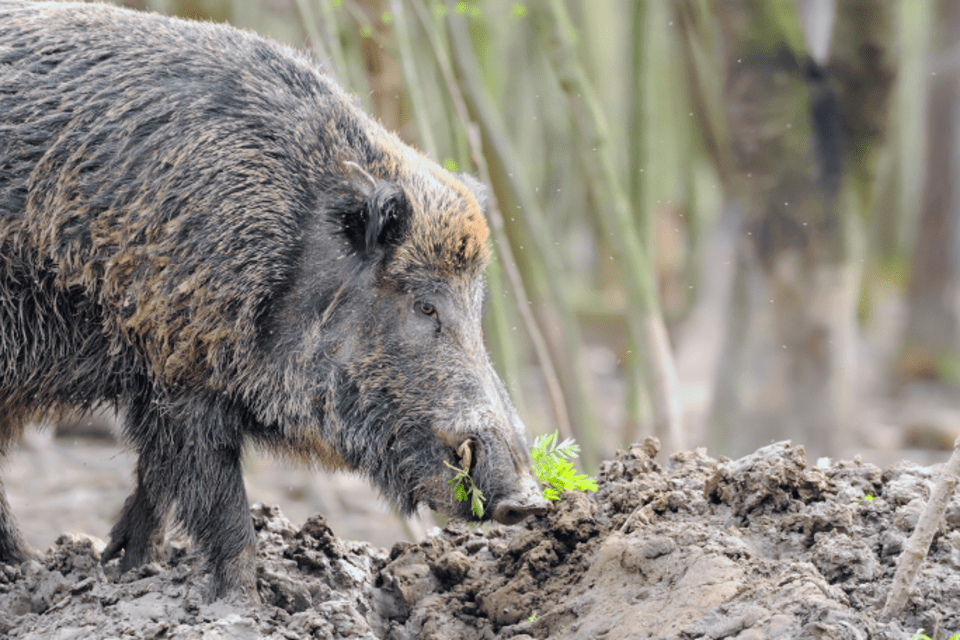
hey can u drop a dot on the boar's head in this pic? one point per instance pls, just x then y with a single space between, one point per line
389 307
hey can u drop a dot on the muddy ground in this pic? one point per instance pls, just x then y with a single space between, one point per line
766 546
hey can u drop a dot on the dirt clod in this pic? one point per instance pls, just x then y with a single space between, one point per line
761 547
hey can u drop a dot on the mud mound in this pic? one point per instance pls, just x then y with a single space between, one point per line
761 547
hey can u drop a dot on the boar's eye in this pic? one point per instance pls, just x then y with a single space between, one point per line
426 309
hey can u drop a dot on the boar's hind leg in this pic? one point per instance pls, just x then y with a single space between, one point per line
13 549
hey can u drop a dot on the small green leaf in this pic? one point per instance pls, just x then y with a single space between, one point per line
477 502
464 489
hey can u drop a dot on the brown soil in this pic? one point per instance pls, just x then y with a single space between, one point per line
761 547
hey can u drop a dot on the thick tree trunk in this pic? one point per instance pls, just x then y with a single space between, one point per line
788 366
931 340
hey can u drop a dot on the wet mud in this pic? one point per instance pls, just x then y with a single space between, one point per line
766 546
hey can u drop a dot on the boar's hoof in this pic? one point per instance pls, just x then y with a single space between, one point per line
512 511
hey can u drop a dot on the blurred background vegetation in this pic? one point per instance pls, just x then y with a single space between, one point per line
720 222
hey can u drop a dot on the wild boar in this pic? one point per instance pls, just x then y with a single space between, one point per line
200 229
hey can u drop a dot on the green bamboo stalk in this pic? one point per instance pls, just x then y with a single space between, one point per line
633 369
645 317
435 33
337 58
415 91
497 323
309 22
704 75
502 245
503 157
635 140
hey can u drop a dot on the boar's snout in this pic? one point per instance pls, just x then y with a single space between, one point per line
514 509
492 446
517 505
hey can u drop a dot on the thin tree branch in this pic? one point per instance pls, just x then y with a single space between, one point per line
908 566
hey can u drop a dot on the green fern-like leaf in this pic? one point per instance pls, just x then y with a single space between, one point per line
552 467
551 464
476 501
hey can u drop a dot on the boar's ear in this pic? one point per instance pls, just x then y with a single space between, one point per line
388 216
384 215
479 190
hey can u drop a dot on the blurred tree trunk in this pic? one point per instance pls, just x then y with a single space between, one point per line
213 10
644 315
931 340
383 68
510 184
801 140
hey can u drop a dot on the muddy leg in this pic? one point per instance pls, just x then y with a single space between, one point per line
212 505
138 532
13 548
190 460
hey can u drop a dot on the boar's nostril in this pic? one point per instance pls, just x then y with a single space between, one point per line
513 511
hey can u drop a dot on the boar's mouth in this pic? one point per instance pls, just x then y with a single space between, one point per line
515 506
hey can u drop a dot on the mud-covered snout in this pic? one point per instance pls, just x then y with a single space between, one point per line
501 467
519 505
485 444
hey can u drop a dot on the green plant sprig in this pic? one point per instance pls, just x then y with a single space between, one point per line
920 635
465 489
551 464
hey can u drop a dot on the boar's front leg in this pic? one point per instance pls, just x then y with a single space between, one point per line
139 531
13 549
190 460
211 502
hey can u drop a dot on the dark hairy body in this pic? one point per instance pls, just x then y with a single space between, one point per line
200 229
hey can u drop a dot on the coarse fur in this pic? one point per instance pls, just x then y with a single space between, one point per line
202 230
